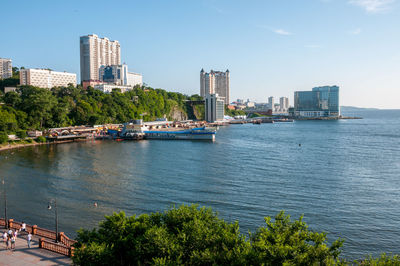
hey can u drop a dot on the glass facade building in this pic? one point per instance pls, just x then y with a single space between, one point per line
320 102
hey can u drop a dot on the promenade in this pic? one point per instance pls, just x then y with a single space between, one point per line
22 255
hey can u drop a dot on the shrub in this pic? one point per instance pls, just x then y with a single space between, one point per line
190 235
41 139
3 137
21 134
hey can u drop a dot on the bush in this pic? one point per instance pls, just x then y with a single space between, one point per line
21 134
41 139
29 140
3 137
189 235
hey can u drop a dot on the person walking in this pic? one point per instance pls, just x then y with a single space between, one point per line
8 242
29 239
13 242
23 227
5 238
15 234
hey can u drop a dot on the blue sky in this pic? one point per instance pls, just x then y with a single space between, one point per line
270 47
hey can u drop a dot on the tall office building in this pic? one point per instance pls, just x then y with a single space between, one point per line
96 52
214 108
5 68
215 82
44 78
320 102
119 75
284 104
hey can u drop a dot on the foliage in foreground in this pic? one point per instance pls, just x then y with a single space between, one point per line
196 236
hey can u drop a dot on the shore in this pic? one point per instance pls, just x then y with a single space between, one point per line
23 145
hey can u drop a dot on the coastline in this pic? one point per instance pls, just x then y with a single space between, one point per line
16 146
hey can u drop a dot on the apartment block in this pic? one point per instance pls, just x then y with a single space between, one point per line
44 78
5 68
215 82
96 52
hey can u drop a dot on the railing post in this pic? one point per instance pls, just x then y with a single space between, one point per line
61 236
40 242
71 251
34 229
10 223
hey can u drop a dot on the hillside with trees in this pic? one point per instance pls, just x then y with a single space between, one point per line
36 108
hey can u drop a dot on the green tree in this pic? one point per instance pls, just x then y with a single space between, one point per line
283 242
21 134
3 137
190 235
185 235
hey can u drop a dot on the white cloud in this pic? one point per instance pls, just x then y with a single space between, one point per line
373 6
354 31
281 32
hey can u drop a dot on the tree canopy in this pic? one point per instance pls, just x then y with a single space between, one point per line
37 108
191 235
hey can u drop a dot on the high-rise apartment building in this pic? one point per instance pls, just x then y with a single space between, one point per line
5 68
320 102
214 108
284 104
44 78
271 103
96 52
119 75
215 82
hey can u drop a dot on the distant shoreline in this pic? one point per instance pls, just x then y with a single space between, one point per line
16 146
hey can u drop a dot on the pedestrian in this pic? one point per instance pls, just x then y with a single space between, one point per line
15 234
29 239
10 232
5 235
13 242
23 227
8 242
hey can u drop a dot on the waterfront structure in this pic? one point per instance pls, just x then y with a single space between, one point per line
215 82
119 75
96 52
45 78
320 102
214 108
5 68
107 88
284 104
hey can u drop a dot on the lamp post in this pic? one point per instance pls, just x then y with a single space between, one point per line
54 201
5 203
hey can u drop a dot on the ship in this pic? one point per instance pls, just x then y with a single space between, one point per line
136 130
200 133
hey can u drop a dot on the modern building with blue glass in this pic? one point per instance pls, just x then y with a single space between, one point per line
320 102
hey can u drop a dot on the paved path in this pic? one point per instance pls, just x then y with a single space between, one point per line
22 255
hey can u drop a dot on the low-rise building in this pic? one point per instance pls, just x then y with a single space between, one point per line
119 75
107 88
45 78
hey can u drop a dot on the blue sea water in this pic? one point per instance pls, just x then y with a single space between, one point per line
344 178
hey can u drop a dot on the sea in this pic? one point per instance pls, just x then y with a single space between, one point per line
342 176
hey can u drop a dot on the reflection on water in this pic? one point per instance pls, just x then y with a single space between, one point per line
343 178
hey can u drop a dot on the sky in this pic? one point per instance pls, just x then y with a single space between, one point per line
271 47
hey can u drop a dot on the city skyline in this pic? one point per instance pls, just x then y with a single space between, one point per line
273 49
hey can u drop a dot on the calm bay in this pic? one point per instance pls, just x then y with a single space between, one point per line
344 178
